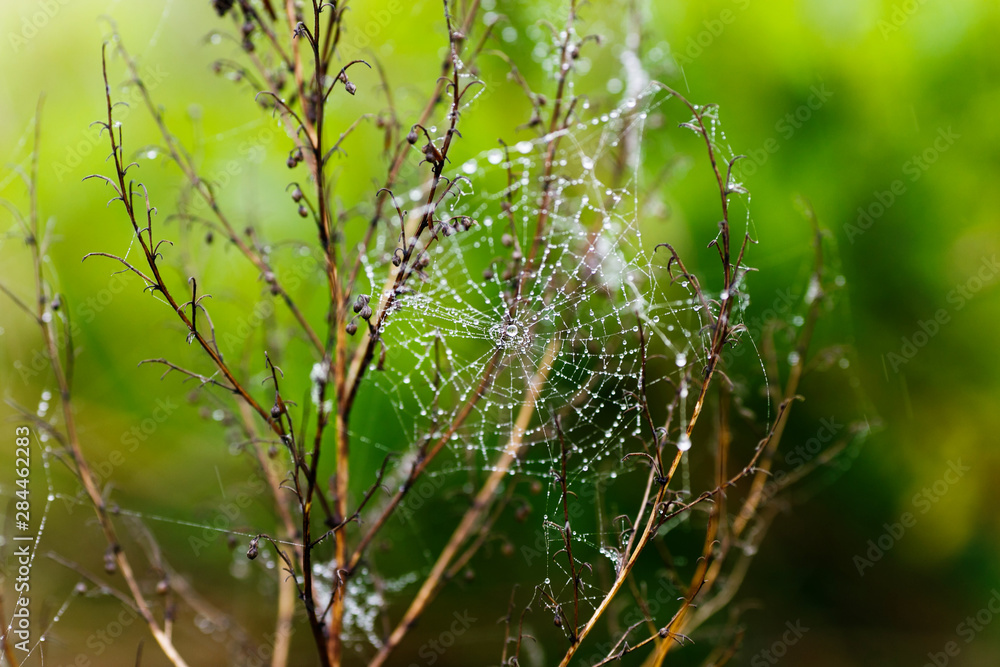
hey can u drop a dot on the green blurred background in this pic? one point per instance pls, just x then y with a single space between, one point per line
882 114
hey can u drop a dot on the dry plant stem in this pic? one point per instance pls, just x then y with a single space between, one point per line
720 336
72 437
484 498
766 456
402 150
186 165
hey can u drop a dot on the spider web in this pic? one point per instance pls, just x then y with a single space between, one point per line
596 293
591 287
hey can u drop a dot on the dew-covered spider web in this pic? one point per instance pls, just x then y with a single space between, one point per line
487 318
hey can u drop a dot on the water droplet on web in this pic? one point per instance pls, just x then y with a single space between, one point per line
512 330
523 147
494 157
684 442
470 167
587 163
681 359
793 358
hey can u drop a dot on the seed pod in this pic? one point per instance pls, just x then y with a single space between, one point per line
351 328
507 549
366 312
411 138
507 240
162 586
488 274
303 211
252 551
350 87
557 621
81 588
291 162
297 195
275 411
360 303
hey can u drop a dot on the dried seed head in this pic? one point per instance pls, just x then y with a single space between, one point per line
522 512
488 274
507 240
252 551
350 87
275 411
231 541
360 302
303 211
162 586
272 452
291 162
557 621
351 328
81 588
411 138
507 549
297 195
366 312
209 237
247 28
